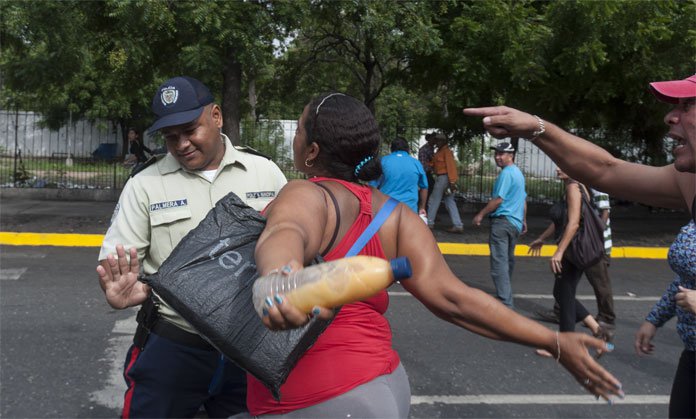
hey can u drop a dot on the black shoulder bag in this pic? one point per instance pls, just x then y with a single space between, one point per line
587 246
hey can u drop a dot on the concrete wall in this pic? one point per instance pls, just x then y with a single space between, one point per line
79 139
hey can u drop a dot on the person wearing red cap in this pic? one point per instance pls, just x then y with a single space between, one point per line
670 186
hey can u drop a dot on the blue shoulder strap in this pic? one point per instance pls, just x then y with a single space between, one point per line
372 228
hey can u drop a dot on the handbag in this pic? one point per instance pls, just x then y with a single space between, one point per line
587 246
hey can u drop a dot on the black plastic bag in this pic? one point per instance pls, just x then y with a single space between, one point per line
208 280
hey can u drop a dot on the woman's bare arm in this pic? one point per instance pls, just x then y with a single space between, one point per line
295 225
590 164
574 203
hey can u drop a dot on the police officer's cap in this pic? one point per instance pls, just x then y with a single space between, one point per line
179 100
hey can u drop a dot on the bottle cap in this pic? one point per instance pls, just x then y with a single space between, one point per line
401 268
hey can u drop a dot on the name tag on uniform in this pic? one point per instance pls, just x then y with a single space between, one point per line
260 194
168 204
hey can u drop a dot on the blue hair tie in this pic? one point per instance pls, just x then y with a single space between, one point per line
361 164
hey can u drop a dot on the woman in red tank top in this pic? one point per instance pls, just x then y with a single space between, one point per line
336 145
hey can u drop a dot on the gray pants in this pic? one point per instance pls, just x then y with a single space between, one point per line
387 396
436 197
502 241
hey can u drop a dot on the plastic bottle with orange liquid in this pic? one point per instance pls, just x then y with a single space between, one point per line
331 284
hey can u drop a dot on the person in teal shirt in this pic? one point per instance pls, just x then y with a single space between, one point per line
507 209
403 177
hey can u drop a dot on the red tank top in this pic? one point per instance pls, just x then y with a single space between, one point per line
354 349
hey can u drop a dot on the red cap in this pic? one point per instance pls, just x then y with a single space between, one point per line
672 91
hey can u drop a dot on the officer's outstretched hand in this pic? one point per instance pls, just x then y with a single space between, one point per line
118 278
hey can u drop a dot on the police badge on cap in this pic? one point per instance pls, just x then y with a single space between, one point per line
178 101
169 96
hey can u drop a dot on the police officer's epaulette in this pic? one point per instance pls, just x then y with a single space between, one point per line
250 150
149 162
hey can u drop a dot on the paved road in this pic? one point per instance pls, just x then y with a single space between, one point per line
61 346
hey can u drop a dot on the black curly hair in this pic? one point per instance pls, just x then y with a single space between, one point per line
347 135
399 144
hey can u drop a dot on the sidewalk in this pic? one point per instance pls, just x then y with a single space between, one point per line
632 225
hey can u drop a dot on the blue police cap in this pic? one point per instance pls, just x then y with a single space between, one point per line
179 100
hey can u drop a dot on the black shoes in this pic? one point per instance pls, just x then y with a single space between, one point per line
605 332
548 316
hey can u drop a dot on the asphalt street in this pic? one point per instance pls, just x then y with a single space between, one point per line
62 347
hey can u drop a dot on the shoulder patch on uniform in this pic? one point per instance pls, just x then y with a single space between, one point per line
250 150
139 168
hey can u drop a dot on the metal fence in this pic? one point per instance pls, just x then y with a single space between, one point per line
90 155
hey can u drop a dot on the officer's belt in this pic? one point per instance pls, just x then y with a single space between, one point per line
164 329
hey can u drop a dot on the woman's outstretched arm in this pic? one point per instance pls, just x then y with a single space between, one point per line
588 163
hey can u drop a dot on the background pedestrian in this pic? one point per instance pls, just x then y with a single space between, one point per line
446 175
566 219
598 274
507 211
403 177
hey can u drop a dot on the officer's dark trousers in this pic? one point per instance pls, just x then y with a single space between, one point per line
168 379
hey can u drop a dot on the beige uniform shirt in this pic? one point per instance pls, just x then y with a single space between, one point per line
161 204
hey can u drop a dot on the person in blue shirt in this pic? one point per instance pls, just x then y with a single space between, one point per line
403 177
508 215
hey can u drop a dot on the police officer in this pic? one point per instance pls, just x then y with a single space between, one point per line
170 370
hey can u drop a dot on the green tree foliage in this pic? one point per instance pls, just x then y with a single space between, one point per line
359 46
601 69
232 42
77 59
581 63
105 59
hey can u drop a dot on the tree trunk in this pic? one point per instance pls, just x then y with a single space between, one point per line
252 97
231 96
367 88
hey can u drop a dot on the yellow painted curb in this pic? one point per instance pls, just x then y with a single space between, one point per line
458 249
462 249
51 239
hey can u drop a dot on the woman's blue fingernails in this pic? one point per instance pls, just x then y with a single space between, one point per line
278 299
269 302
610 346
610 401
264 312
286 269
622 395
316 311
